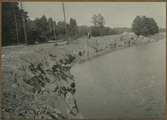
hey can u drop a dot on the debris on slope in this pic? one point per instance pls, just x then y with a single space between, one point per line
41 89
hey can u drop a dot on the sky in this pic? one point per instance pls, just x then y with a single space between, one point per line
116 14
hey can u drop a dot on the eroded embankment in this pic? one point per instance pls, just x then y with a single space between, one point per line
37 82
100 46
39 87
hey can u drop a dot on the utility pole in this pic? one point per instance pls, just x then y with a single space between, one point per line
65 27
23 22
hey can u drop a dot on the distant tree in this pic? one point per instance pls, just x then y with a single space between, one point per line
12 27
52 28
8 25
83 30
144 26
41 26
98 20
22 15
119 30
43 29
72 28
107 31
60 29
96 31
32 32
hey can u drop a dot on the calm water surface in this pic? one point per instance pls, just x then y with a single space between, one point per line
122 84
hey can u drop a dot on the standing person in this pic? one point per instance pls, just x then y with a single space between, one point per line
89 35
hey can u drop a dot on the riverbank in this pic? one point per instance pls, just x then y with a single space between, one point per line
131 80
81 48
110 45
48 62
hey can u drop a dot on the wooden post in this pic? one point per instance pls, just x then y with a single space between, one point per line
65 27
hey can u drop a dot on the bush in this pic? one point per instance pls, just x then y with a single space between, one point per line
144 26
95 31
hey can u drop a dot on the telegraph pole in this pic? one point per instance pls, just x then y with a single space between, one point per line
64 14
23 22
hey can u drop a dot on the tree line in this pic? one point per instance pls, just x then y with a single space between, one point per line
12 29
43 29
38 30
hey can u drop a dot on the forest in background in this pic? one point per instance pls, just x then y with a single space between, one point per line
18 28
41 29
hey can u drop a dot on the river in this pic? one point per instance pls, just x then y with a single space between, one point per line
128 83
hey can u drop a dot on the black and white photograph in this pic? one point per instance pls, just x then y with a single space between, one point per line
83 60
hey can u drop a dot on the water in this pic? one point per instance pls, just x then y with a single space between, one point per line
128 83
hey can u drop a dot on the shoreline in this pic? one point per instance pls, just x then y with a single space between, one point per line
110 64
105 52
